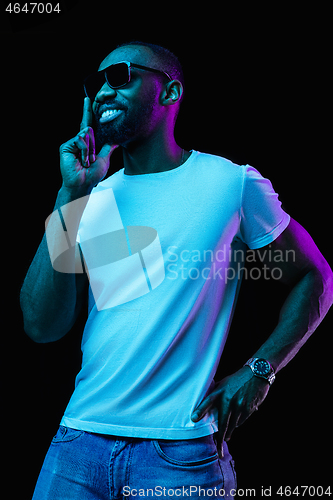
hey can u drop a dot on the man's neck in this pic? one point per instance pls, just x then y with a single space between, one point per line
153 156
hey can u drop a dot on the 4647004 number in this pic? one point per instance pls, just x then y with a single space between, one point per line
33 7
308 491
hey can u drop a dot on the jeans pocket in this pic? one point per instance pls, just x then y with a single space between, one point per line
188 453
65 434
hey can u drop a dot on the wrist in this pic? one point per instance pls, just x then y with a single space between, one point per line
73 193
261 368
71 203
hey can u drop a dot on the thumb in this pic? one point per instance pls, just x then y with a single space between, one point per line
107 151
203 408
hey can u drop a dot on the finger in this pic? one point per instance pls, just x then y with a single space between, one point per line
232 424
89 137
203 408
223 422
87 117
82 145
87 154
92 156
238 417
245 415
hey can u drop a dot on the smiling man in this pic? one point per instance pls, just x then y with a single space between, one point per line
146 414
137 116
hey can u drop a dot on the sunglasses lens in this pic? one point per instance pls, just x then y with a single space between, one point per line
93 84
117 75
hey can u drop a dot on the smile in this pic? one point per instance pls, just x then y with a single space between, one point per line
110 114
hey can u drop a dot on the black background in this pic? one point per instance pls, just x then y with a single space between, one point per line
256 92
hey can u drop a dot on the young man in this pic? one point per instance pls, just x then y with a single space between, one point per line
162 244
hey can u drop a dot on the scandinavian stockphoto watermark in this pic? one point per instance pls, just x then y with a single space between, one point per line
132 255
226 264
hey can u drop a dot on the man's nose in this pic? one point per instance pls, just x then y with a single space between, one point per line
104 93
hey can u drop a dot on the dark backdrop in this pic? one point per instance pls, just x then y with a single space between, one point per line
256 93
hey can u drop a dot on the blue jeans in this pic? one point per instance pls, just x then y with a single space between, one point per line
80 465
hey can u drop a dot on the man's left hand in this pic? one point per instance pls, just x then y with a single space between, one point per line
236 397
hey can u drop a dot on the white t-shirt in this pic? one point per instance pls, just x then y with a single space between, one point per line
165 268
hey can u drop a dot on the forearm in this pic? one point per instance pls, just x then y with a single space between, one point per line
304 309
48 297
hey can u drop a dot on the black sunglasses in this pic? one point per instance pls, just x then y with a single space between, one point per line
116 76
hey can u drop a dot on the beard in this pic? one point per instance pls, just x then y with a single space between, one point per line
130 125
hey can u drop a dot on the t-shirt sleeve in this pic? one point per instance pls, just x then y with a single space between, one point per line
262 217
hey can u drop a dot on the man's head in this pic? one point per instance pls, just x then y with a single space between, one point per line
147 104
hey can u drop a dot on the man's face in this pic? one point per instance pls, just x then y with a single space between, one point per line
137 102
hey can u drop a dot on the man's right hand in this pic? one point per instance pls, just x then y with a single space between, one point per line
81 168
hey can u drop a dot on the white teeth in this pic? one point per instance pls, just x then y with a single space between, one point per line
109 112
109 115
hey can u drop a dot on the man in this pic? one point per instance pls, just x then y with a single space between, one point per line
145 413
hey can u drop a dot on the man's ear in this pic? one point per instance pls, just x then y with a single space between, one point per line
172 93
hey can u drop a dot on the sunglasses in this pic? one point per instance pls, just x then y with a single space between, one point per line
116 76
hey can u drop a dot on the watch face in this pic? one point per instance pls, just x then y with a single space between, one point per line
262 367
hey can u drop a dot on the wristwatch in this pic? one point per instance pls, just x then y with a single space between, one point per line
261 368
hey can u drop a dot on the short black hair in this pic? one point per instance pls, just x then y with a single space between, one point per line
169 62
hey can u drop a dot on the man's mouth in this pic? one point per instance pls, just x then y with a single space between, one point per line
110 114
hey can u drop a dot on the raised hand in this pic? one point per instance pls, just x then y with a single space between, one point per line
81 168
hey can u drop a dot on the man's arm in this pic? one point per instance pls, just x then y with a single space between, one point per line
310 278
311 281
51 300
